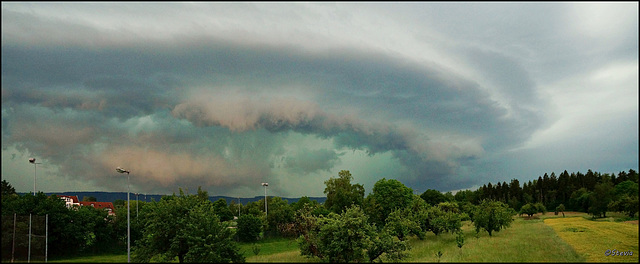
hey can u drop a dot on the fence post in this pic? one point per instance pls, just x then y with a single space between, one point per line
13 247
46 239
29 256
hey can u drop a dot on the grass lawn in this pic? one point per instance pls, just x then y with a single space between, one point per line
273 250
106 258
523 241
593 238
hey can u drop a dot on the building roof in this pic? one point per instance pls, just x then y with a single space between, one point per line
99 204
73 198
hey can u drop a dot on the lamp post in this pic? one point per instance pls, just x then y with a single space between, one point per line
265 184
35 169
121 170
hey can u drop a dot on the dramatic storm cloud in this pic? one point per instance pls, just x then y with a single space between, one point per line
225 96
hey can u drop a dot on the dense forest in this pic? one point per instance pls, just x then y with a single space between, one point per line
591 192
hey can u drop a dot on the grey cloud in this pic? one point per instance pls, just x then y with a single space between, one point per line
312 160
231 93
363 81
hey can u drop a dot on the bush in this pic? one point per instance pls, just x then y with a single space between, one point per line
249 228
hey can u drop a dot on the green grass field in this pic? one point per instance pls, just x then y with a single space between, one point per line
274 250
545 238
524 241
105 258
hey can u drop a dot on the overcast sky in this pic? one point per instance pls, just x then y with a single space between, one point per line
443 96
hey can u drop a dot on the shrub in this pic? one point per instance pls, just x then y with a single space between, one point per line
249 228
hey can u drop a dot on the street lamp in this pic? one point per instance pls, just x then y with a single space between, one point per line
265 197
35 165
121 170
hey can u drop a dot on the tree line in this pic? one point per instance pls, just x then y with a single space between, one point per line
348 226
592 192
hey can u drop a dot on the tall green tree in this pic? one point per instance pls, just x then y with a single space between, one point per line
433 197
625 198
386 197
341 194
300 203
280 214
222 210
186 227
492 216
627 187
7 189
600 199
579 200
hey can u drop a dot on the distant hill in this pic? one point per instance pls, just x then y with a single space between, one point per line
112 196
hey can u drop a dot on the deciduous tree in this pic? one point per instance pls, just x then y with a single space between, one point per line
387 196
185 227
433 197
492 216
346 237
341 194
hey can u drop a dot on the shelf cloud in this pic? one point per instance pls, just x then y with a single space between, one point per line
226 96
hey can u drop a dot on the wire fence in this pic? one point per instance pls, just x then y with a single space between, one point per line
24 238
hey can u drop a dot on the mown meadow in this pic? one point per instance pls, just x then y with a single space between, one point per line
542 238
598 241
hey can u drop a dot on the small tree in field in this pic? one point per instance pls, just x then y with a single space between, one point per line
460 239
540 208
561 209
492 216
528 209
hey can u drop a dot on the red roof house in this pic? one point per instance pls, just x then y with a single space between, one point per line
101 205
71 201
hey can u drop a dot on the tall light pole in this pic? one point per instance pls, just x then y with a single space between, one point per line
35 165
121 170
265 184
